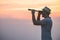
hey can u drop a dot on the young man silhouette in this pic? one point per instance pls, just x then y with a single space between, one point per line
46 23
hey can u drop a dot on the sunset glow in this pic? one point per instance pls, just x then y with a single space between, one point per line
18 8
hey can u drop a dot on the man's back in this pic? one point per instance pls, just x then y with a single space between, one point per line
46 29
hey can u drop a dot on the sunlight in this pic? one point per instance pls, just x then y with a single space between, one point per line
18 5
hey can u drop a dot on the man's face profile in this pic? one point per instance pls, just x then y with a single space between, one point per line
44 13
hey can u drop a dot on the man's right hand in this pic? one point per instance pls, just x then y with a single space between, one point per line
39 12
33 11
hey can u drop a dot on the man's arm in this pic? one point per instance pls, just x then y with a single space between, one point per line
33 17
36 22
38 17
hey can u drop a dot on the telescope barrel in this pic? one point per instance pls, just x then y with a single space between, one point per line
34 10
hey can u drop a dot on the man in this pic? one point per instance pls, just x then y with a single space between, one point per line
46 23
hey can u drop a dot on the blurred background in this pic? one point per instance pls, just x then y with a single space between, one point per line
16 22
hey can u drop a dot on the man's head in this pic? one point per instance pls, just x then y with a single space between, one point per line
46 12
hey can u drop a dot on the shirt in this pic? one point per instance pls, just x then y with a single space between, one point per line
46 25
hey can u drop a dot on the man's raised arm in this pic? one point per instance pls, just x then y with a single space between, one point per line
33 17
38 17
36 22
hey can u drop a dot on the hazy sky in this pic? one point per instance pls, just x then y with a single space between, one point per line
18 8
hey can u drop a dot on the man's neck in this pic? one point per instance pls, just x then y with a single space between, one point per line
47 17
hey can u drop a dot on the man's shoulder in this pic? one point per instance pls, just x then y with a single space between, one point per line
47 19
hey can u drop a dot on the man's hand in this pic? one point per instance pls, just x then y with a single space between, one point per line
39 13
33 11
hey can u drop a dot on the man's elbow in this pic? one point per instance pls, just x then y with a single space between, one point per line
35 24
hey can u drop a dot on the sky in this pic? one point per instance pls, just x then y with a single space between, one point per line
19 8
